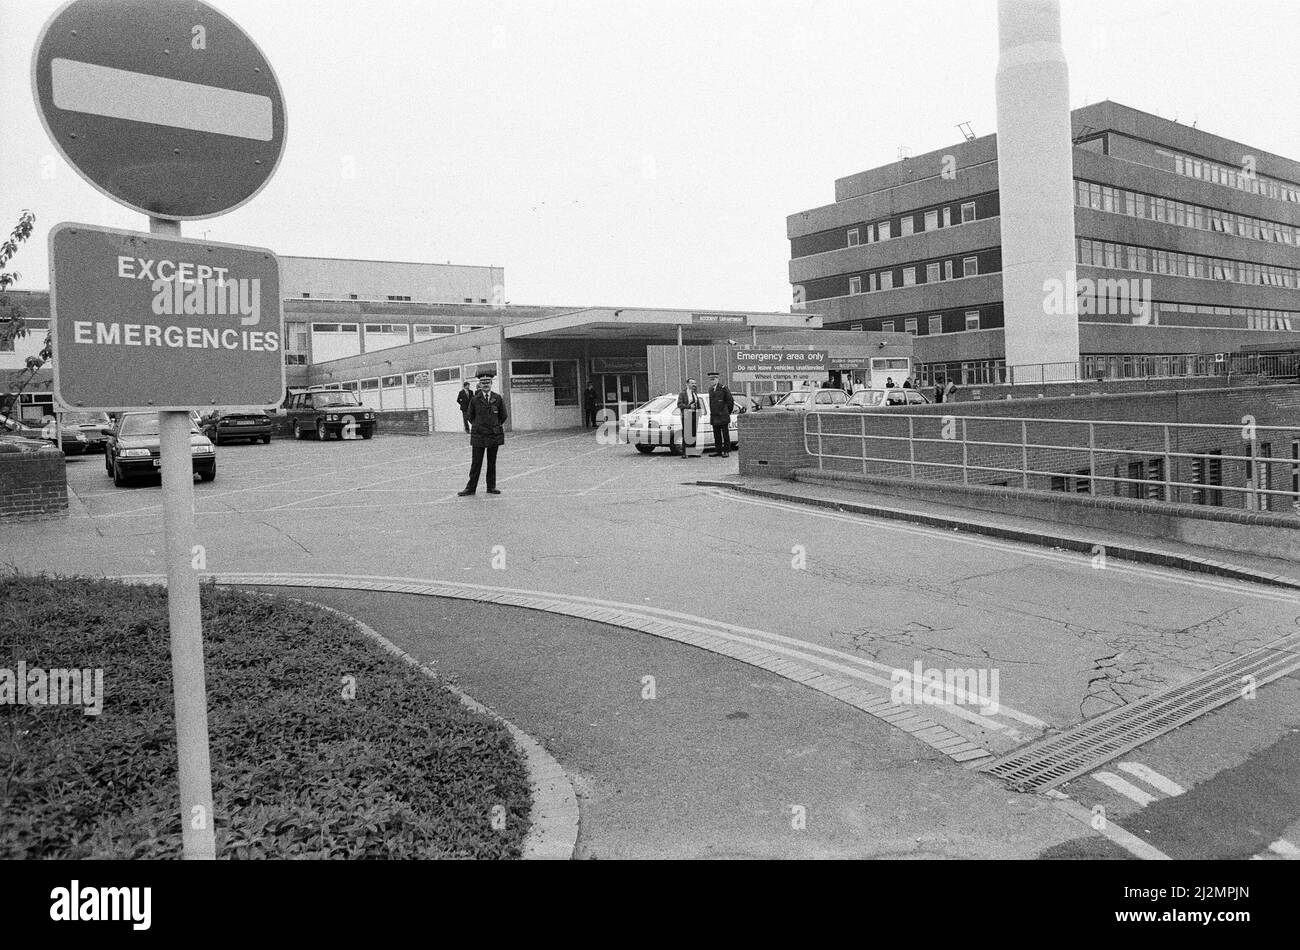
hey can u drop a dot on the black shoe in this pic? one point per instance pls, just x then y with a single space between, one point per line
462 494
494 491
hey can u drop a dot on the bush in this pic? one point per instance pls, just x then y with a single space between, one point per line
403 770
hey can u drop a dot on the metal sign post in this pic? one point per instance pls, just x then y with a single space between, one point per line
169 108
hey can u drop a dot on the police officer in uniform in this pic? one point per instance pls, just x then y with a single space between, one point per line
486 416
721 405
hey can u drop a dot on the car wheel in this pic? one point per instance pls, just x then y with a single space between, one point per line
321 432
297 430
119 480
645 449
266 439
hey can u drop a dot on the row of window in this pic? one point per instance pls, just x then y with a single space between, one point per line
1176 263
1252 318
1243 178
934 272
931 220
933 324
1168 211
394 298
418 329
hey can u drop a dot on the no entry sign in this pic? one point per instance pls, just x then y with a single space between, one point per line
145 322
164 105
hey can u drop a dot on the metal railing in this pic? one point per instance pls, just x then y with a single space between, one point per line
971 457
1022 374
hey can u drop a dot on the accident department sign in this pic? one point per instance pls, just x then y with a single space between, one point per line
766 364
141 321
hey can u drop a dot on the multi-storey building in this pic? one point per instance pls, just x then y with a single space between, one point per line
1187 249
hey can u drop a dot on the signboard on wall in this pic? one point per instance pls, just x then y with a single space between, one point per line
736 319
618 364
531 384
769 364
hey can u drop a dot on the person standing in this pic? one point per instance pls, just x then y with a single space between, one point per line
721 405
589 405
949 390
688 401
889 382
907 383
938 391
486 417
462 399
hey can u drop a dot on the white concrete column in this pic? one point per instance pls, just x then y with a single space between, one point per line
1036 184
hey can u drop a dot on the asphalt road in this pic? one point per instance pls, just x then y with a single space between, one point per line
1067 640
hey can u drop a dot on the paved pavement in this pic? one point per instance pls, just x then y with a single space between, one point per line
1067 640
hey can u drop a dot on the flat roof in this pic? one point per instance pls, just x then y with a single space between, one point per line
624 322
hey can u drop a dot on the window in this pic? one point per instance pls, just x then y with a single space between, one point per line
947 270
882 231
855 285
887 326
968 212
530 368
909 325
935 324
307 295
396 297
909 276
855 237
887 280
466 327
932 220
434 329
855 326
905 225
947 217
325 328
875 281
448 375
1207 470
931 273
970 266
369 384
972 319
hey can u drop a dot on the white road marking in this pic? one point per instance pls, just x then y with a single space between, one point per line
1122 837
1152 778
1285 849
1127 789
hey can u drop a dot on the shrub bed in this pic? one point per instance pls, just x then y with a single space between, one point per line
300 770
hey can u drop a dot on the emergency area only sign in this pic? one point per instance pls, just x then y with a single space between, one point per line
142 321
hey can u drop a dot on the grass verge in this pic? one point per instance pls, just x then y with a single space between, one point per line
300 768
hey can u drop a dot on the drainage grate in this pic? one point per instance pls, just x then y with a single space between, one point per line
1053 760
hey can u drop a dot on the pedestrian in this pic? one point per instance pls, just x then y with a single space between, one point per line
589 405
721 405
889 382
949 390
827 383
938 391
907 383
462 398
688 401
486 416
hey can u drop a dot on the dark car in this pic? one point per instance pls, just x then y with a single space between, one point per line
329 412
89 423
134 449
70 439
225 425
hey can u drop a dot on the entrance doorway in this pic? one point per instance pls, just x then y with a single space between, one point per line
620 392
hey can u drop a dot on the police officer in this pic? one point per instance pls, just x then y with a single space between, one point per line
486 416
721 405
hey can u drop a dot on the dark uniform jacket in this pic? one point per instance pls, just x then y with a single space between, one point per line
486 416
721 405
462 399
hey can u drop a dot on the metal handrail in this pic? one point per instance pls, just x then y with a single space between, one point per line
1253 490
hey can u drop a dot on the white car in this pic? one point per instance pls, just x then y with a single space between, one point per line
659 422
806 400
885 398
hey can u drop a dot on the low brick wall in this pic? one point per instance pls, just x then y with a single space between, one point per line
33 484
1266 534
393 422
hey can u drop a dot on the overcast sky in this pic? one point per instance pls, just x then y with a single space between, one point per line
639 153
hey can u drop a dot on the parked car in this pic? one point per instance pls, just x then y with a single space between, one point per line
71 440
884 398
659 422
223 425
89 423
762 401
806 400
134 449
329 412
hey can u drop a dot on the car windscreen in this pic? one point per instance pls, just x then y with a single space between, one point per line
323 400
142 424
658 405
794 399
868 398
85 418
